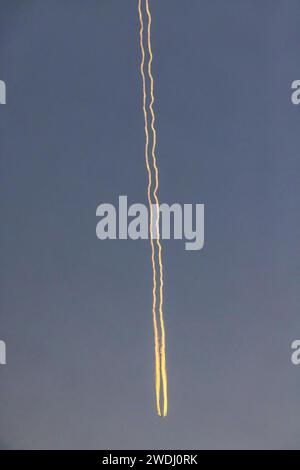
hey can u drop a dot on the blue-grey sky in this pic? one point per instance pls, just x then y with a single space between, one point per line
75 312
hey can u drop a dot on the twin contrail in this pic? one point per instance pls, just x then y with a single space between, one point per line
156 249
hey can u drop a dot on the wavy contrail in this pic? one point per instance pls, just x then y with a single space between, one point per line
156 338
160 340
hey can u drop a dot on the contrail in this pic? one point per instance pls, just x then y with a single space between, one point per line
161 317
156 339
160 342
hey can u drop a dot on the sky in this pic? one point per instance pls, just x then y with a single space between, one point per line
75 312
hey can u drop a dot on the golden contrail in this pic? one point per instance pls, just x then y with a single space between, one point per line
161 317
156 339
160 343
